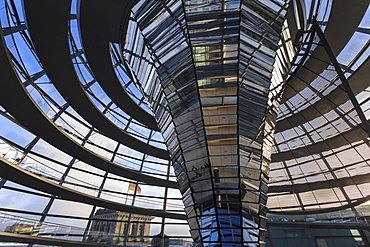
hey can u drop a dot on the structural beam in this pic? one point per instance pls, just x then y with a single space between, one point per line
27 239
18 175
344 20
60 70
26 111
358 81
343 79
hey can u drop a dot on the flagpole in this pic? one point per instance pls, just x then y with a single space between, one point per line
128 189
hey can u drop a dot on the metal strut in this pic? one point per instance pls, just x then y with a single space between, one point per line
347 87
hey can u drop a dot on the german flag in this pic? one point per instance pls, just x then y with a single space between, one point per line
132 187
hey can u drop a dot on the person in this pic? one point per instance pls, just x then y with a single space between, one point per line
195 170
206 165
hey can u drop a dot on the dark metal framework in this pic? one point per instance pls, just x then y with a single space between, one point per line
194 107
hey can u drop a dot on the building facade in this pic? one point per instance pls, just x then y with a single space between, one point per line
109 226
